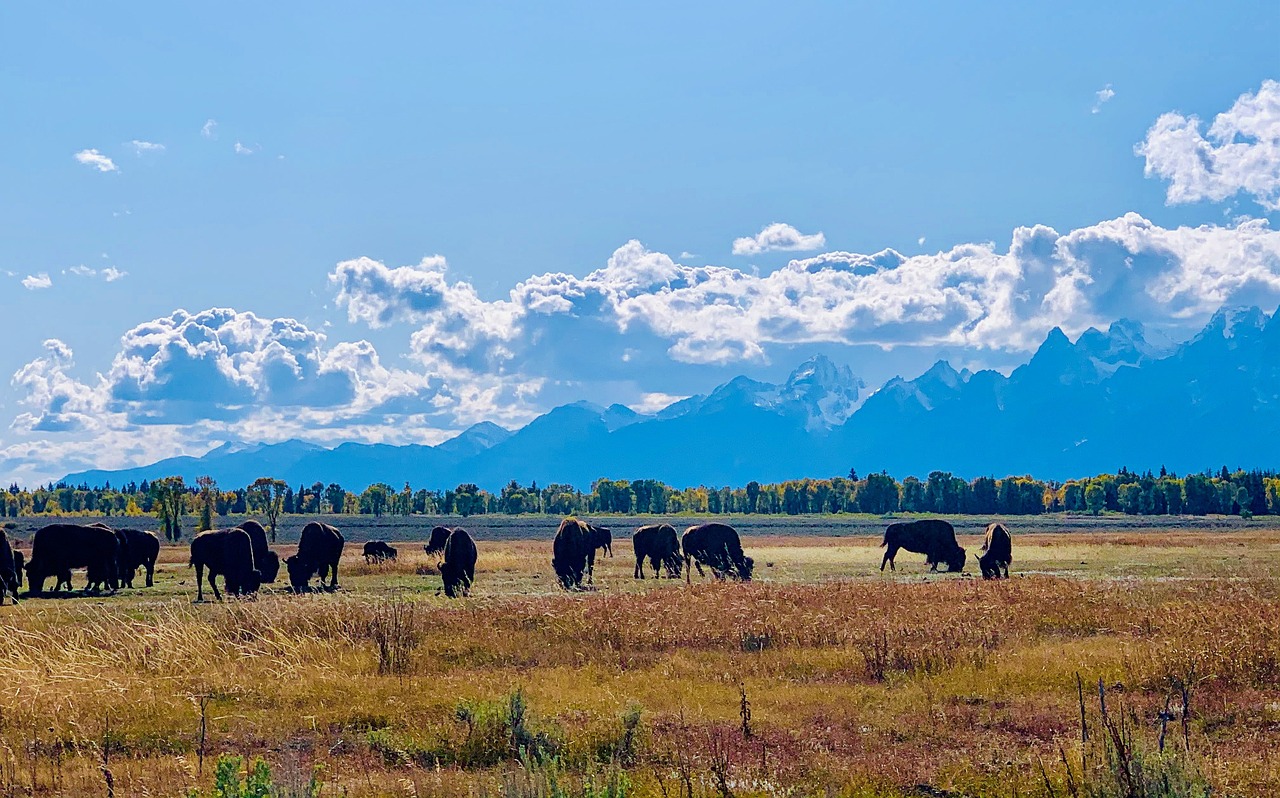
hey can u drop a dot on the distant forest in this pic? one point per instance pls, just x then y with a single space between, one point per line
1240 492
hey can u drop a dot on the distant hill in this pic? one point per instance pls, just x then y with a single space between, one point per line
1110 398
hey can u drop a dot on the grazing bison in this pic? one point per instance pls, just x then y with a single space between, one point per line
718 547
598 537
570 550
319 549
264 559
934 538
8 570
377 551
458 570
660 544
58 548
997 550
227 553
138 549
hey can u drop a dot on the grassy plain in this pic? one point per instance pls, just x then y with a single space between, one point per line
857 683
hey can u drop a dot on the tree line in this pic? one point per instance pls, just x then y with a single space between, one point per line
1225 492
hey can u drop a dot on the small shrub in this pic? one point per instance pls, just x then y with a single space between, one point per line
395 633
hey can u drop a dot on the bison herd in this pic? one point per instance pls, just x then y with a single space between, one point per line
240 555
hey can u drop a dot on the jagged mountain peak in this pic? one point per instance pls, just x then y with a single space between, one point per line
1234 321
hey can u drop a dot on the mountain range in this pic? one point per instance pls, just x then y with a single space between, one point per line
1119 397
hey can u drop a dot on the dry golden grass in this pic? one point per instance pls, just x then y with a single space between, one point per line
858 683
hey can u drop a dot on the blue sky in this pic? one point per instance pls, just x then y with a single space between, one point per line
516 142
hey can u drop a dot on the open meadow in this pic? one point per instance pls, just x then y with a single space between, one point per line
821 677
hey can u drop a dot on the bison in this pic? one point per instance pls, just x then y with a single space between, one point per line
9 579
458 570
319 549
58 548
718 547
570 550
598 537
227 553
997 552
377 551
934 538
660 544
138 549
264 559
19 568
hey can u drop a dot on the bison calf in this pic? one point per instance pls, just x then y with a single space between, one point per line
997 552
378 551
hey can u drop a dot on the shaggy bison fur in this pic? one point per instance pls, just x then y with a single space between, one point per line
997 552
570 550
264 559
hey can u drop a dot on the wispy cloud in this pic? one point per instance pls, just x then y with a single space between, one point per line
1101 97
243 150
778 237
35 282
111 274
210 129
97 160
82 271
142 147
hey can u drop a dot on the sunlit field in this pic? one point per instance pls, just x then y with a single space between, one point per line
821 677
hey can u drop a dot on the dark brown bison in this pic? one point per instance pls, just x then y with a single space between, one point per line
598 537
264 559
9 583
661 545
458 569
570 550
378 550
19 568
319 549
227 553
718 547
934 538
138 549
997 552
58 548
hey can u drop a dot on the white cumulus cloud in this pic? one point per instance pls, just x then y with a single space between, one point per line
778 237
142 147
1240 153
97 160
35 282
111 274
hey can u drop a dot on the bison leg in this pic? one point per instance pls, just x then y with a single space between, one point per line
213 583
638 571
151 573
199 582
591 567
334 581
889 554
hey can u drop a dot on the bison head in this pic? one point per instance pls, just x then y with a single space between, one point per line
252 582
439 536
955 562
745 569
270 567
299 572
